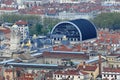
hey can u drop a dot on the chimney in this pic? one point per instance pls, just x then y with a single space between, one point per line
84 65
99 64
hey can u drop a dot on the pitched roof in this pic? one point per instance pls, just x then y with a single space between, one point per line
71 72
107 69
5 30
8 9
87 67
8 2
21 22
64 55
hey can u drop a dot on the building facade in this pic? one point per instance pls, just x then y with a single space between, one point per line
65 58
23 28
71 75
111 73
15 38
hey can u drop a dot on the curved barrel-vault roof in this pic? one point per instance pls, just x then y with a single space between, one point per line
82 28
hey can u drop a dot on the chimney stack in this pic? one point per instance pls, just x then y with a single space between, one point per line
99 64
84 65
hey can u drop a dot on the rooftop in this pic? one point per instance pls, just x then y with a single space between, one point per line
115 70
64 55
87 67
71 72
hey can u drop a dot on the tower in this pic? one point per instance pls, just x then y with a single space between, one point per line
15 37
19 2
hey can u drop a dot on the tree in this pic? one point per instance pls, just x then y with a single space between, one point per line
37 25
107 20
38 28
49 23
12 18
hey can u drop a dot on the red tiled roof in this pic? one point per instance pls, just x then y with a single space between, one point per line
71 72
76 48
87 67
8 70
5 30
64 55
1 77
107 69
8 8
8 2
21 22
108 37
29 74
61 48
83 72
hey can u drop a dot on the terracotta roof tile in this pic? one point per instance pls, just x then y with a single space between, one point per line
8 2
70 72
64 55
107 69
21 22
5 30
8 8
87 67
66 48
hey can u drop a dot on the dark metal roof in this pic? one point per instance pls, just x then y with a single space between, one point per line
86 29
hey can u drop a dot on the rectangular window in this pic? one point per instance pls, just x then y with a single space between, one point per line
117 66
111 75
104 75
115 77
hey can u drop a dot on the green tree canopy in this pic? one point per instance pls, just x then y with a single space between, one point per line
37 25
108 20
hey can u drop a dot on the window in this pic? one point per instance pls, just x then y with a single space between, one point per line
71 39
104 75
111 75
73 77
115 77
68 76
117 66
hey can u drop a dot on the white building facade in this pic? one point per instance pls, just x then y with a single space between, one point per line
71 75
23 28
15 38
111 74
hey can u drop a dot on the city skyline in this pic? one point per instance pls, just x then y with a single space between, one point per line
73 48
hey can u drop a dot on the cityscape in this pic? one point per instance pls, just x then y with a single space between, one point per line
59 40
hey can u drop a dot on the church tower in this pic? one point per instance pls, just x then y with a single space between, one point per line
15 38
